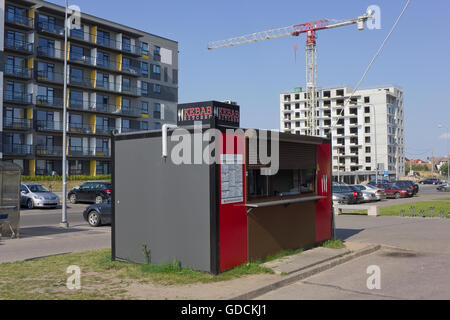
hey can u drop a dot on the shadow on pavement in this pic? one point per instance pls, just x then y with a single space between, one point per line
46 231
344 234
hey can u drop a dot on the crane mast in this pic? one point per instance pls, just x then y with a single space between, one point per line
310 29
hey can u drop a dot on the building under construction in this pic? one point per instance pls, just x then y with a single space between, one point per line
369 130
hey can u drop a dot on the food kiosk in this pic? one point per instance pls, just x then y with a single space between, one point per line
170 203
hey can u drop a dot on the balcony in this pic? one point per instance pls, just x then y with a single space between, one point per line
132 69
81 128
48 126
119 46
129 90
19 46
19 20
49 77
81 82
51 28
104 108
48 151
18 97
102 152
17 149
104 130
17 124
47 101
49 52
133 112
77 151
87 60
18 72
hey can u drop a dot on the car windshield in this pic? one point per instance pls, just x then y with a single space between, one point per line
38 188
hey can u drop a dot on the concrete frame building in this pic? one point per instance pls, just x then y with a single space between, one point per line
119 78
370 129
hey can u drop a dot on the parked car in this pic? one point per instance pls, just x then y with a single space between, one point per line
407 184
98 214
431 181
344 194
392 191
444 188
380 194
96 192
34 195
360 197
368 194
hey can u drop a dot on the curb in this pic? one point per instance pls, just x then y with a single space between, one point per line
305 273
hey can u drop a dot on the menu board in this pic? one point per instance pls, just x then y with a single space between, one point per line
232 186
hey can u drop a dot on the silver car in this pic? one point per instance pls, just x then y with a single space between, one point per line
380 194
34 195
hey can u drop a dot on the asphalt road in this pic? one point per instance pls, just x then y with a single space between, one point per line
52 217
41 235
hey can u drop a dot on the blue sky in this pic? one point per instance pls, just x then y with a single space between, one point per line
416 57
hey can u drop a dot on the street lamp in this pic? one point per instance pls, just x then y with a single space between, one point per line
448 159
64 223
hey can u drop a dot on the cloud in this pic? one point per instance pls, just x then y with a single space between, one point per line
445 136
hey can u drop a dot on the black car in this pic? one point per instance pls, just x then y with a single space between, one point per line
431 181
95 192
98 214
342 193
408 184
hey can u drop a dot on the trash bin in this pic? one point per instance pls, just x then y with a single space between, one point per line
10 174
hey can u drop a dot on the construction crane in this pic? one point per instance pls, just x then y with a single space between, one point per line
310 29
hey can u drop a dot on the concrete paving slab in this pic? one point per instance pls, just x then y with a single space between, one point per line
303 260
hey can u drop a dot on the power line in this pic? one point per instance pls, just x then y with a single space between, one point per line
371 62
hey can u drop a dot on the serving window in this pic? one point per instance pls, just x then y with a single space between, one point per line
287 183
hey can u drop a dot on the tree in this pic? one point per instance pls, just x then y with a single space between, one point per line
444 169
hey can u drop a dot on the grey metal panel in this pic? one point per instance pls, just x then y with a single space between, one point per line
167 93
162 205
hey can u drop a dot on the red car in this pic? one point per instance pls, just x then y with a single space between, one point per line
392 191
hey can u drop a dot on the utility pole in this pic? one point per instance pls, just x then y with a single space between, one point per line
375 142
64 223
448 154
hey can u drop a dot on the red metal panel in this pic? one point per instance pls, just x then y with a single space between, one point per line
323 206
233 237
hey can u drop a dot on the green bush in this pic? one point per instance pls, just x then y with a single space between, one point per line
69 178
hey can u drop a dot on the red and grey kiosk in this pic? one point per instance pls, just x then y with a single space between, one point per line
216 215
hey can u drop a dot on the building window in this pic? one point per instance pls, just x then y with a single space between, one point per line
102 167
368 159
157 51
367 129
126 84
367 119
367 109
126 44
144 69
145 86
368 150
156 88
126 105
366 99
156 69
367 139
103 38
157 111
76 75
144 48
103 59
144 125
144 107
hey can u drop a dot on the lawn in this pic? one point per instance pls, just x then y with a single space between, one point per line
101 278
418 206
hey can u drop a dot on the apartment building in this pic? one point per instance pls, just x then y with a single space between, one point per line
119 79
367 131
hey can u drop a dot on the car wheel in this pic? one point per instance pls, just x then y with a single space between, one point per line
397 195
30 204
93 219
98 199
73 198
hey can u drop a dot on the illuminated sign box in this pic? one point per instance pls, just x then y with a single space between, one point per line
224 114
